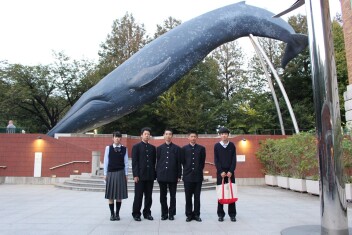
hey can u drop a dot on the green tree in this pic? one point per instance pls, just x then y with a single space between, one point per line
6 110
261 98
341 63
37 97
230 59
192 103
298 82
125 39
72 76
31 94
168 24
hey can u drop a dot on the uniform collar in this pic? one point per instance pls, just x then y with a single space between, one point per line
223 144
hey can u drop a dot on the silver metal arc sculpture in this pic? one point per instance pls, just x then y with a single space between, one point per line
261 53
333 203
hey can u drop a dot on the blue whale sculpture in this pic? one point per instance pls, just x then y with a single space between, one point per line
162 62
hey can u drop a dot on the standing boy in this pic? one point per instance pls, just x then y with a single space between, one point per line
143 167
193 161
168 169
225 162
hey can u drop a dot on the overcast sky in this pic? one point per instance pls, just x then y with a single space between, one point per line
32 29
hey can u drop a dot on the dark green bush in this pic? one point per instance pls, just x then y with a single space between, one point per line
296 156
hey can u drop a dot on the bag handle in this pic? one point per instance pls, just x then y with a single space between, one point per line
223 187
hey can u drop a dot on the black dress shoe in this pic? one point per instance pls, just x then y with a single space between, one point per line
233 219
197 218
137 218
221 219
149 217
189 219
117 217
171 217
112 218
164 217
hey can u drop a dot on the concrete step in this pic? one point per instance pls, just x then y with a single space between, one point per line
101 183
129 189
97 183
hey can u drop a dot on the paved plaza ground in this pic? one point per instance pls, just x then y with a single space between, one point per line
44 209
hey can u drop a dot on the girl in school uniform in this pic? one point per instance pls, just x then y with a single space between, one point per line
116 174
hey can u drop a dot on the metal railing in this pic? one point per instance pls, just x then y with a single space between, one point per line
67 163
12 130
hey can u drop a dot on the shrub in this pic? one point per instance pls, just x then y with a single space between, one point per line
293 156
296 156
347 159
266 155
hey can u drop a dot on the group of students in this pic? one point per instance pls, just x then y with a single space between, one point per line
166 163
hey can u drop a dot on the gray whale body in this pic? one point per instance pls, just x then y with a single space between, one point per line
162 62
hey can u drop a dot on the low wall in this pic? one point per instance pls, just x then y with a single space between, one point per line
18 153
31 180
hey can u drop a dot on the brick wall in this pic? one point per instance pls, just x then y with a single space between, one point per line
347 30
17 152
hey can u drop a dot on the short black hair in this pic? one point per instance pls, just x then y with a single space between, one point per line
146 129
168 129
116 134
192 132
224 130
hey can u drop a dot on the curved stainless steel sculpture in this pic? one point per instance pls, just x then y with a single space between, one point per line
161 63
270 83
328 120
328 123
277 78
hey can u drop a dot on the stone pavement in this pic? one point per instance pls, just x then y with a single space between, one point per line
44 209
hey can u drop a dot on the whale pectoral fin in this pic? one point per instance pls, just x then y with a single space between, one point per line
298 43
147 75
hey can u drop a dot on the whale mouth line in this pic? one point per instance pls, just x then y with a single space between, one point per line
92 105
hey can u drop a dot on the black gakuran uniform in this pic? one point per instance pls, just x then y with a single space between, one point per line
168 168
143 166
193 161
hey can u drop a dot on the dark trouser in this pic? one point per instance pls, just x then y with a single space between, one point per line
231 210
192 188
165 210
140 188
231 207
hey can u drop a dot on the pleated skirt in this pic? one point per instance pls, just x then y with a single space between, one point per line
116 185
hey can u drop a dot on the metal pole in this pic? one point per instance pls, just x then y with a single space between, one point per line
276 76
328 122
270 85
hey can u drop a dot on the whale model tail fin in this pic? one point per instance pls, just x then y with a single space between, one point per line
298 43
